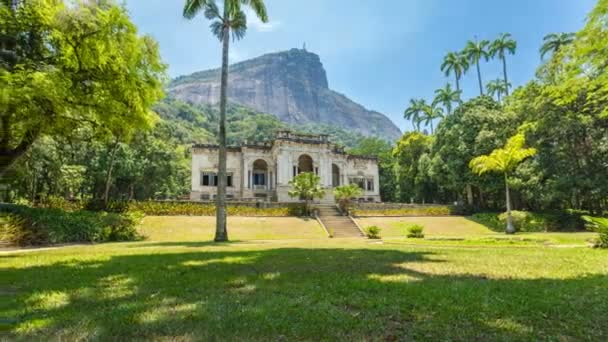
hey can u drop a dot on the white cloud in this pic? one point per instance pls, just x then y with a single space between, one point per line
255 22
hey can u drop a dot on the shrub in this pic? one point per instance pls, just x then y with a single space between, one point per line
443 210
373 232
526 221
599 225
415 231
169 208
24 226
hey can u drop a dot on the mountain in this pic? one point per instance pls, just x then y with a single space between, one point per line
292 85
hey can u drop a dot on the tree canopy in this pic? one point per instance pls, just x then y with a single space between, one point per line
71 66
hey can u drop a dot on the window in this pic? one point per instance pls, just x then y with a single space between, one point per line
211 179
229 179
259 179
295 171
370 184
359 181
208 179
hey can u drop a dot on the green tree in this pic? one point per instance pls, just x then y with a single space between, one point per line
70 66
456 63
231 21
504 160
306 186
415 112
553 42
497 87
476 127
344 193
500 47
476 50
410 148
431 113
446 96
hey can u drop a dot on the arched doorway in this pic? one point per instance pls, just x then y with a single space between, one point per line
335 175
260 174
305 164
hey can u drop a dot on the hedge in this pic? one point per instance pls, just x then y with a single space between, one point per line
172 208
407 211
526 221
24 226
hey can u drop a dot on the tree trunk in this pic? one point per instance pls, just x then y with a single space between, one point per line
457 83
221 233
469 194
510 228
432 130
106 191
479 78
504 71
498 95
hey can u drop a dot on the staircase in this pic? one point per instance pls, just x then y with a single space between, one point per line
337 225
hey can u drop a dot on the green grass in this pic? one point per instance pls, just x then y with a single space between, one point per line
460 231
197 228
310 289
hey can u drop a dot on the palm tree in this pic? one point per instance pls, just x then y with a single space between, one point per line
456 63
343 195
446 96
504 160
553 42
500 47
432 112
497 87
475 51
306 186
231 20
415 112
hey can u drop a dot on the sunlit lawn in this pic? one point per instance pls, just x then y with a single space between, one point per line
457 230
197 228
177 288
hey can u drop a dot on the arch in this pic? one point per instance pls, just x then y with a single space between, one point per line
335 175
305 164
260 164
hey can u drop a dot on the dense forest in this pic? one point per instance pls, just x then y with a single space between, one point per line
108 146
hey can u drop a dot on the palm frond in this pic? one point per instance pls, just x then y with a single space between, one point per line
193 7
258 7
217 29
212 11
503 159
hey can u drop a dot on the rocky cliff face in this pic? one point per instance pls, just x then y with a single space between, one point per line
291 85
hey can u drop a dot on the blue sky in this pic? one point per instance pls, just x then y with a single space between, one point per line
379 53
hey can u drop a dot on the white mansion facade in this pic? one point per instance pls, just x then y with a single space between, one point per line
263 171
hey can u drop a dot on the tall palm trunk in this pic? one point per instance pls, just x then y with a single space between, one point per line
479 78
457 82
221 233
510 228
432 130
504 72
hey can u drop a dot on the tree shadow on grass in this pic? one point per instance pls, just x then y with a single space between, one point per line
193 244
295 293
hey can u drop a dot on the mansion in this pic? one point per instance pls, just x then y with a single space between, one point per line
263 171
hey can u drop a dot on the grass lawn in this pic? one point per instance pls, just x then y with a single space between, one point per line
198 228
458 230
179 288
